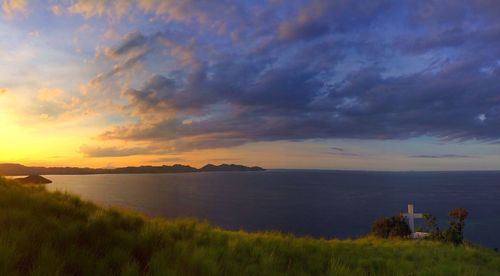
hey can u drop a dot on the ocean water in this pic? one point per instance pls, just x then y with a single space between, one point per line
326 204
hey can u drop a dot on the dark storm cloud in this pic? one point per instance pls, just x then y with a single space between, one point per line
325 70
451 105
235 83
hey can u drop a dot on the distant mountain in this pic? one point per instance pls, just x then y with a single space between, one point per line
18 169
228 168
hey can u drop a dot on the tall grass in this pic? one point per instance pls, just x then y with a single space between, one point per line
44 233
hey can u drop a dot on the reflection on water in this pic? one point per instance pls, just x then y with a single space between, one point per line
317 203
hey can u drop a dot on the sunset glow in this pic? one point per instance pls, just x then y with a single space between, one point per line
381 85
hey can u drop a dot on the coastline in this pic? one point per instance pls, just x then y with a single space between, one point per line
12 169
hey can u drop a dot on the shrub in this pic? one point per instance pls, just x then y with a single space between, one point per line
455 231
391 227
432 227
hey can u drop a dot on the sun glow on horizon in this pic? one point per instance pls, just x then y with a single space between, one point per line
313 84
31 139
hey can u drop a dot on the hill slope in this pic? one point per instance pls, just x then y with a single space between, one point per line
46 233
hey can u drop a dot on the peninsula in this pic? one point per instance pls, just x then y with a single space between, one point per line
10 169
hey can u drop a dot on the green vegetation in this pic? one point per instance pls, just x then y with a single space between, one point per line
44 233
455 231
391 227
397 227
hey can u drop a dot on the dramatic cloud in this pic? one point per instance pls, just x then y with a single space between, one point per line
207 13
189 75
230 96
291 105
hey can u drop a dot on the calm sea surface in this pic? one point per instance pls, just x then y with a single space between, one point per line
316 203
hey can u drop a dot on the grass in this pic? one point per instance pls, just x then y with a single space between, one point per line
44 233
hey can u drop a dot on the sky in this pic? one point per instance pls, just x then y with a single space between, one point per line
362 85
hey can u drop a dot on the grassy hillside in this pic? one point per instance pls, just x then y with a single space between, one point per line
44 233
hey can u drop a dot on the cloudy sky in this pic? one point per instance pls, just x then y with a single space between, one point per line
379 85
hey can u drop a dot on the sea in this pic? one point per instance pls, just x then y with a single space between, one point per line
327 204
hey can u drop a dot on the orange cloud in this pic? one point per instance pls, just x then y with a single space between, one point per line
56 9
90 8
48 94
10 7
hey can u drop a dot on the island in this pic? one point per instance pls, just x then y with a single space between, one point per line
228 168
33 179
11 169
